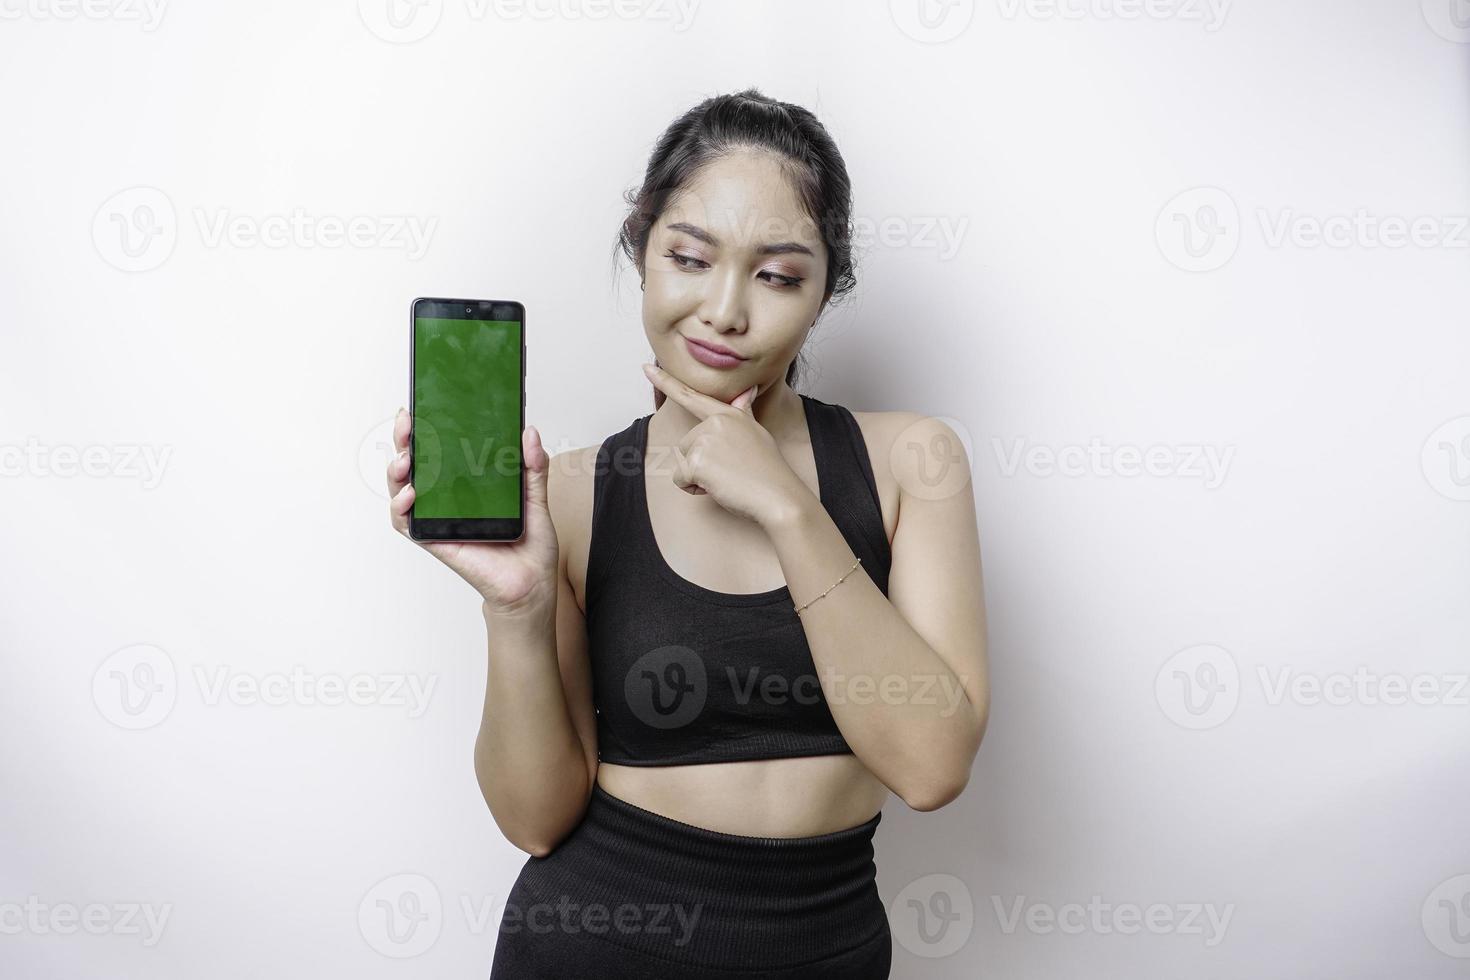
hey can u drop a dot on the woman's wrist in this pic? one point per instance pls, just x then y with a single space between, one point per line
531 613
790 510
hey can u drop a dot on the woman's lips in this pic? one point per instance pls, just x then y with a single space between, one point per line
710 357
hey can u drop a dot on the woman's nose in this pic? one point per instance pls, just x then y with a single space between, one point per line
723 305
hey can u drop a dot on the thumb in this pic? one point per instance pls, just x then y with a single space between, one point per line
745 399
537 463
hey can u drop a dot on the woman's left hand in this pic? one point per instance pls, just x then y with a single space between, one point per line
729 455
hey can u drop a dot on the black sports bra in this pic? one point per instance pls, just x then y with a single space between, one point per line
683 674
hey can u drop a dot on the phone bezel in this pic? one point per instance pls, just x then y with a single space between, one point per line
464 529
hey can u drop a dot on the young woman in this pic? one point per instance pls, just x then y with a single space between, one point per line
734 627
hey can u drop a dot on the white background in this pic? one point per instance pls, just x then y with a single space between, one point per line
1140 751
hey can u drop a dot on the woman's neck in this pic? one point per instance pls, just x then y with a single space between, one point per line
779 410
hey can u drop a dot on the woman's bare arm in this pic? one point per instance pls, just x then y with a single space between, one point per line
536 753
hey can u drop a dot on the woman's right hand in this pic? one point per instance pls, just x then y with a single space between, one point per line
511 575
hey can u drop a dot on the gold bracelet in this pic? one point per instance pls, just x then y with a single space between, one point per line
829 588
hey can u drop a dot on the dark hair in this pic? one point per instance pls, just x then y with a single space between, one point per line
752 120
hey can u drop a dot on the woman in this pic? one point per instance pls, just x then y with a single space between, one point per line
707 673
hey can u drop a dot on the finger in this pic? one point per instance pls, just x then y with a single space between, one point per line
702 405
402 423
537 462
398 468
398 464
683 471
399 506
745 401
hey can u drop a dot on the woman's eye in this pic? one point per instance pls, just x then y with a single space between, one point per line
690 263
681 259
786 282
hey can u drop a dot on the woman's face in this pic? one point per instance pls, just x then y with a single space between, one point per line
734 261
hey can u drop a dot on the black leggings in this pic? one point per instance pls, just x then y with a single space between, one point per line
634 895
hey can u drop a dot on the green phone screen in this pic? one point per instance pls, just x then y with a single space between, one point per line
467 418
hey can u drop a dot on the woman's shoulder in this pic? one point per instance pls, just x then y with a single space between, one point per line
895 427
571 481
570 478
571 473
915 453
887 430
882 434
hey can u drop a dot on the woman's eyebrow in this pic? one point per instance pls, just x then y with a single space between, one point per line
773 248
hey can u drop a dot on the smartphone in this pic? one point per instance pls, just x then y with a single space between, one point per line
467 397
